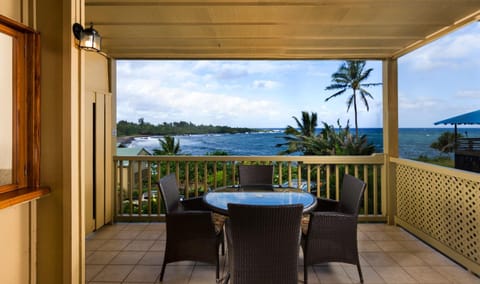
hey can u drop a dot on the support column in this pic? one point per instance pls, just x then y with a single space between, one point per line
390 136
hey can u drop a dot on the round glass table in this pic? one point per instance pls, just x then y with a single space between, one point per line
219 199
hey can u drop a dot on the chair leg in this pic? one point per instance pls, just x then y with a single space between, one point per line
218 266
360 272
305 273
163 269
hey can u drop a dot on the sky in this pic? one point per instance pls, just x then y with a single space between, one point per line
437 81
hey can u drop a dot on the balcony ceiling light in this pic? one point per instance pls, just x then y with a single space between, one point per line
88 39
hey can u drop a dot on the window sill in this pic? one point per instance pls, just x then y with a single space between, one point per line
21 195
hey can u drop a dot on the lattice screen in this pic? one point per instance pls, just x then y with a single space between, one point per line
445 207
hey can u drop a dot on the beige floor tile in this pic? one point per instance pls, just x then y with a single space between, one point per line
426 274
114 273
456 274
127 235
369 274
415 246
178 274
378 259
204 274
128 257
361 236
158 246
435 258
93 244
379 236
390 246
332 274
152 258
394 274
139 245
368 246
144 273
114 245
388 254
91 270
407 259
101 257
400 236
149 235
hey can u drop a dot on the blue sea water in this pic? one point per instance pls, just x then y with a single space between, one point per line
413 142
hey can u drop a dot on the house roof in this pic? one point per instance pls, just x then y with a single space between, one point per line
466 118
273 29
132 151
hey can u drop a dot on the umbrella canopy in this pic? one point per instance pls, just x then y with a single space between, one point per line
466 118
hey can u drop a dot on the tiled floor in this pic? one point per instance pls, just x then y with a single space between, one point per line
133 253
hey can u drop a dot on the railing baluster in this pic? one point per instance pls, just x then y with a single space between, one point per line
365 195
337 182
187 180
196 179
308 177
328 181
149 188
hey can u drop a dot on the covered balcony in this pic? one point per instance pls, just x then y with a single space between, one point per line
50 239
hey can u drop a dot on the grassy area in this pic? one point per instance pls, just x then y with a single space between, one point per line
440 160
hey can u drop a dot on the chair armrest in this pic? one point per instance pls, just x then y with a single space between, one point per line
190 224
195 203
327 205
335 223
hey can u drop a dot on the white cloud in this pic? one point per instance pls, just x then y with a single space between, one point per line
468 94
265 84
452 51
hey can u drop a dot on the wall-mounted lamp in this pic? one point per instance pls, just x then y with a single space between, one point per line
88 39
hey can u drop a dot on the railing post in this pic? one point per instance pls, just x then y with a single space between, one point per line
390 133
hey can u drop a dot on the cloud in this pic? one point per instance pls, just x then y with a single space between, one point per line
453 51
468 94
265 84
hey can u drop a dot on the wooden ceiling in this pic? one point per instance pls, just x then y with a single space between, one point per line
273 29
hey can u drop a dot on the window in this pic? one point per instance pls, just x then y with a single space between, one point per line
19 114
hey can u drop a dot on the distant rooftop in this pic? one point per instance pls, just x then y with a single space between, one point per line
133 151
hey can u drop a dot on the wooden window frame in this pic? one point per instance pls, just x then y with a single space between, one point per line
25 184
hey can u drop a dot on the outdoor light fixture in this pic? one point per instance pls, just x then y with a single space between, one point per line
88 39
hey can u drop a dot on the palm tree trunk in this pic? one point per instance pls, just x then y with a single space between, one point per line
355 109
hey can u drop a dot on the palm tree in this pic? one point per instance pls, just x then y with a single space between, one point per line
297 138
350 75
169 146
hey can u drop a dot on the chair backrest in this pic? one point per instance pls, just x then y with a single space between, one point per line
351 194
255 174
263 243
170 194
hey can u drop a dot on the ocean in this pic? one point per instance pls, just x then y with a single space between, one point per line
413 142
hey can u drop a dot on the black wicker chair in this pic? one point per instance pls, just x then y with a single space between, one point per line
331 235
263 243
255 174
191 234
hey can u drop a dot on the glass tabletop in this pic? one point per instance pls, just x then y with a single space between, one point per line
219 200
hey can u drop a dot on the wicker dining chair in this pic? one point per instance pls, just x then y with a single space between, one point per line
255 174
331 235
263 243
191 234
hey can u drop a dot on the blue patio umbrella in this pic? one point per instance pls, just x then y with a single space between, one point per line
466 118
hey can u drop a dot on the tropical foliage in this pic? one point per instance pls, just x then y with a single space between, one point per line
298 137
169 146
329 141
125 128
445 142
352 75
